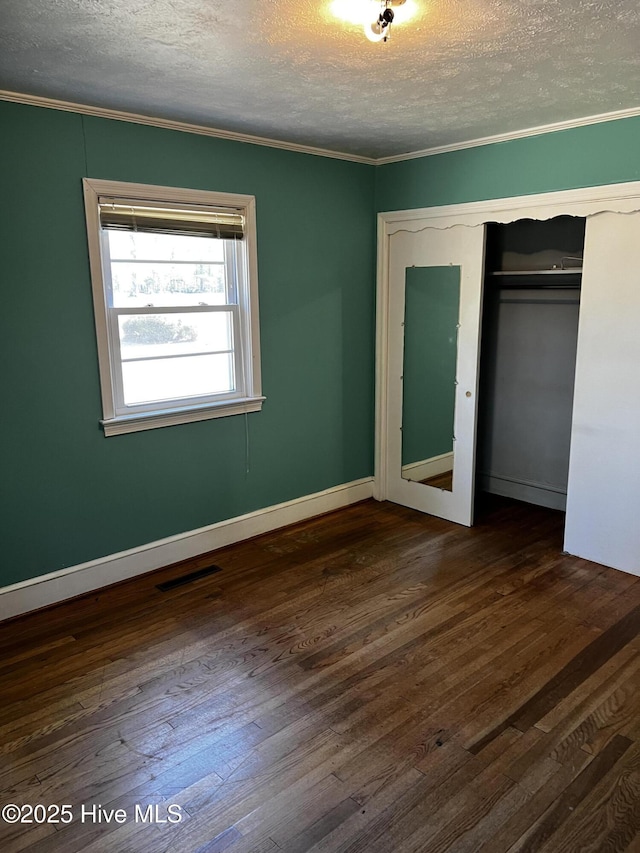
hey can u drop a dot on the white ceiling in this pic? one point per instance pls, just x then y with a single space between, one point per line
461 70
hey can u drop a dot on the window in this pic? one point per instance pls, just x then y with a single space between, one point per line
175 296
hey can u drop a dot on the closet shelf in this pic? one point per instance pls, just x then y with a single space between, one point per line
574 271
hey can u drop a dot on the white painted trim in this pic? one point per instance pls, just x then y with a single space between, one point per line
538 130
155 420
382 348
67 583
419 471
184 127
585 201
217 133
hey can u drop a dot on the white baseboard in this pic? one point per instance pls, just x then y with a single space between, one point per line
67 583
524 490
426 468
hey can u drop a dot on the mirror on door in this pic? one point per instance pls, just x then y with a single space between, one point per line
432 307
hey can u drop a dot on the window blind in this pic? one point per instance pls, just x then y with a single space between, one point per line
123 215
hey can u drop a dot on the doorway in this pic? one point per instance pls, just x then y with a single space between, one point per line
603 490
531 306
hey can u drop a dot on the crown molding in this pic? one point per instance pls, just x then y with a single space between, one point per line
515 134
185 127
203 130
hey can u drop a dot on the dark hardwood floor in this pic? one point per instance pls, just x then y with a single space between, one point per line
374 680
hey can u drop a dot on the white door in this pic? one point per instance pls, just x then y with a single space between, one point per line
603 495
433 344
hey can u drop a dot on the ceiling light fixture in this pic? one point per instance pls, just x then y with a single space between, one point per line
375 16
380 28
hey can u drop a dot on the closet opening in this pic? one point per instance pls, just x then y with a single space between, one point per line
532 279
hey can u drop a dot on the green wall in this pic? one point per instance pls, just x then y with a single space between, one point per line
432 307
68 493
606 153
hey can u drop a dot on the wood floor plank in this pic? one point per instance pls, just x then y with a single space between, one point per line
274 818
319 693
474 822
552 820
585 663
586 697
608 819
516 827
357 824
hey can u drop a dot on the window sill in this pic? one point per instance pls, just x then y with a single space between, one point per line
169 417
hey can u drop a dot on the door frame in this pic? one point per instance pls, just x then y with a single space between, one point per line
587 201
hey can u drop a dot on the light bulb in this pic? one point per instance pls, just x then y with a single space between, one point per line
374 31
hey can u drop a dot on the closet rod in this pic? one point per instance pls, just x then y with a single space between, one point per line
519 286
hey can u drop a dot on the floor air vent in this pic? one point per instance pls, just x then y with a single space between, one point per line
190 578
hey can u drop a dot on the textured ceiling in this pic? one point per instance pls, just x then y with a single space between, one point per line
290 71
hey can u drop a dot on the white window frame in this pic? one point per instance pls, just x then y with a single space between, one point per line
248 397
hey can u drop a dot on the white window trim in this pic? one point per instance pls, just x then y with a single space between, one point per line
248 306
